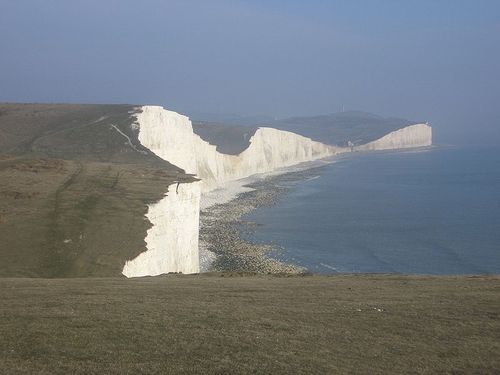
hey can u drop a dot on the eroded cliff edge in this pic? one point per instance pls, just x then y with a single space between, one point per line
418 135
86 188
172 242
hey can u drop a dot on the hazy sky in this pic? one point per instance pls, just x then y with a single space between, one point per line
435 60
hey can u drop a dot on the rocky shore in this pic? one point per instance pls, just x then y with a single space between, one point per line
222 247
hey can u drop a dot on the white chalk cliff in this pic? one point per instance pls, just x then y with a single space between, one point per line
170 136
419 135
172 241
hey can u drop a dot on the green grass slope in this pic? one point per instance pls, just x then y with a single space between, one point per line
251 325
74 187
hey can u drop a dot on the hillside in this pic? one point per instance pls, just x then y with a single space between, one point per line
228 138
74 188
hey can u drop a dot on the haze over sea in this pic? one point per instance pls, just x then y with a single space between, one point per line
433 211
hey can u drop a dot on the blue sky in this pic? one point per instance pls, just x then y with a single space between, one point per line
436 60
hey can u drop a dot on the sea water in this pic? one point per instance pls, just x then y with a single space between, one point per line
430 211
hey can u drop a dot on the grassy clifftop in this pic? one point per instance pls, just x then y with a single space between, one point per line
74 187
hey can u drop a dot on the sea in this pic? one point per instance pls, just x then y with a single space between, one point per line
427 211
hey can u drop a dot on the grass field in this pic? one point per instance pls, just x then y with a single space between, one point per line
252 324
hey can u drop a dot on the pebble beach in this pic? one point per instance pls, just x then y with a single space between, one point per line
222 223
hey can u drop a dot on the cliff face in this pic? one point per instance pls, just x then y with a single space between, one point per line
170 136
66 169
419 135
172 242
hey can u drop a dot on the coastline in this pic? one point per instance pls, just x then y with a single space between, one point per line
222 223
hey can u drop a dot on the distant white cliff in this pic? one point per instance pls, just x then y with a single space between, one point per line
172 242
419 135
170 136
